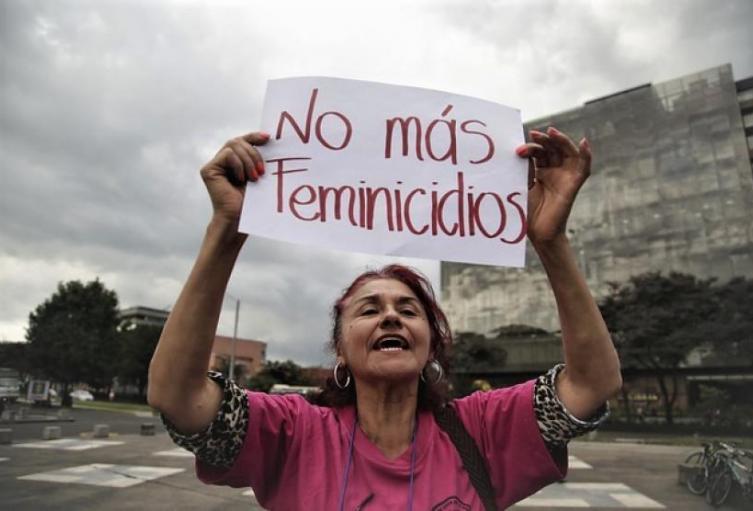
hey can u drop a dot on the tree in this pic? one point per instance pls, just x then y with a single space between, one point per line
287 372
137 344
472 352
72 335
656 321
731 328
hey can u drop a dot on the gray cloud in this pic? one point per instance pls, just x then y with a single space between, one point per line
110 108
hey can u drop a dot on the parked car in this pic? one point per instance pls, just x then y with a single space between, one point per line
82 395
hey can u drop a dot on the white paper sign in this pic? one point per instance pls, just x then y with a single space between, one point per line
383 169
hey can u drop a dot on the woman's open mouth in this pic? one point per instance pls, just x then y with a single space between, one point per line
391 343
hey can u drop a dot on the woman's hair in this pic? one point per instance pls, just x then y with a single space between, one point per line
431 396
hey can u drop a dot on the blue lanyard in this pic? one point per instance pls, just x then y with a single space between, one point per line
349 463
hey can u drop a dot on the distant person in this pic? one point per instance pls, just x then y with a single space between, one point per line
387 437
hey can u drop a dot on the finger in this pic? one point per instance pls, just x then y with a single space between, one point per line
584 150
236 173
529 149
563 142
255 156
249 165
531 173
554 154
256 137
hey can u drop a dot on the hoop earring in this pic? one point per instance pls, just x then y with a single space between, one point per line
438 371
337 380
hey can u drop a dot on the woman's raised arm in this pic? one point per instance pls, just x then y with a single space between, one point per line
178 384
592 368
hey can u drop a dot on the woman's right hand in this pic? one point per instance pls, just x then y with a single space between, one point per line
226 174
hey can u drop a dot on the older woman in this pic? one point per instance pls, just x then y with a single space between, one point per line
386 438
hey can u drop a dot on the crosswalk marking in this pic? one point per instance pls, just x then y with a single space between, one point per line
103 474
69 444
178 452
575 463
4 459
603 495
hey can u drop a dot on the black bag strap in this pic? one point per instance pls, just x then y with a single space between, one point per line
447 419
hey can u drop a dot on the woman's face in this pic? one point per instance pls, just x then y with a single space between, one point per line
385 333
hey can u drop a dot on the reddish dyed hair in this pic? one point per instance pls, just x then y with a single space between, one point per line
430 395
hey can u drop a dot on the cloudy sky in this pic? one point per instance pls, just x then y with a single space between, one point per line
109 108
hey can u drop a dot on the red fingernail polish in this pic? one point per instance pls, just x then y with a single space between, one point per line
260 167
554 130
520 151
264 134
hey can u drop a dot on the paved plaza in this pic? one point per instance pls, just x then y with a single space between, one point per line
132 472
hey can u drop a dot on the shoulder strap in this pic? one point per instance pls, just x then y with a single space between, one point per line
447 419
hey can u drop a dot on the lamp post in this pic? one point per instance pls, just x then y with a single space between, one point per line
231 370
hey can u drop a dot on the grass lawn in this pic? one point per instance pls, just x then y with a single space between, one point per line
112 406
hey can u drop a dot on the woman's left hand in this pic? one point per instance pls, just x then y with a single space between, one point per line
559 169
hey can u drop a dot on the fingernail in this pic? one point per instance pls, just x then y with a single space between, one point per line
522 150
586 143
264 134
260 167
554 130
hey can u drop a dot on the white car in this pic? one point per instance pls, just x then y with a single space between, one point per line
82 395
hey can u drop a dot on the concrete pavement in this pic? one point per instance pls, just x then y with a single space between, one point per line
130 472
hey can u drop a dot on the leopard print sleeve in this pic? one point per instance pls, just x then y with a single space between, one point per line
557 425
219 444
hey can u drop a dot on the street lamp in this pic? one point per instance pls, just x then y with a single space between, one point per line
231 371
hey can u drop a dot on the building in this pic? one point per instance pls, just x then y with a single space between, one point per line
249 355
671 190
143 316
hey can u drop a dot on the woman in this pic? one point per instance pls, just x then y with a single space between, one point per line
383 442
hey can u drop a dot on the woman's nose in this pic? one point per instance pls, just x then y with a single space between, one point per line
390 318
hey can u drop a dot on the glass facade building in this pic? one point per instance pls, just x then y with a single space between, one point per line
671 190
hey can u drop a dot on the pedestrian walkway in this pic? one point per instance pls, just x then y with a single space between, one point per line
575 463
584 495
104 474
69 444
178 452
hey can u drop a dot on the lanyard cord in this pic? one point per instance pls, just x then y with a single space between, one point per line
346 475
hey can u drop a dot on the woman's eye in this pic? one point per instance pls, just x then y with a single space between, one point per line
409 312
367 312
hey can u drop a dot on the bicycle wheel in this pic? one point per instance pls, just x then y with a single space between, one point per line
696 481
719 488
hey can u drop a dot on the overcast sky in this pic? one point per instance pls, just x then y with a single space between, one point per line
108 110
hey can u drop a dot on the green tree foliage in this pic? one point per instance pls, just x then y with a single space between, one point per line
14 355
72 335
656 320
137 344
473 352
731 328
287 372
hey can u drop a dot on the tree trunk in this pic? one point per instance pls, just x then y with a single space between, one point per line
667 401
626 403
66 399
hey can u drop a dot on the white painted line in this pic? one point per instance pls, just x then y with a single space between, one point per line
575 463
600 495
598 486
545 502
178 452
636 500
69 444
103 474
4 459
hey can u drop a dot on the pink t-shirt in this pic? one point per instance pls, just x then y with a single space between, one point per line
295 454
